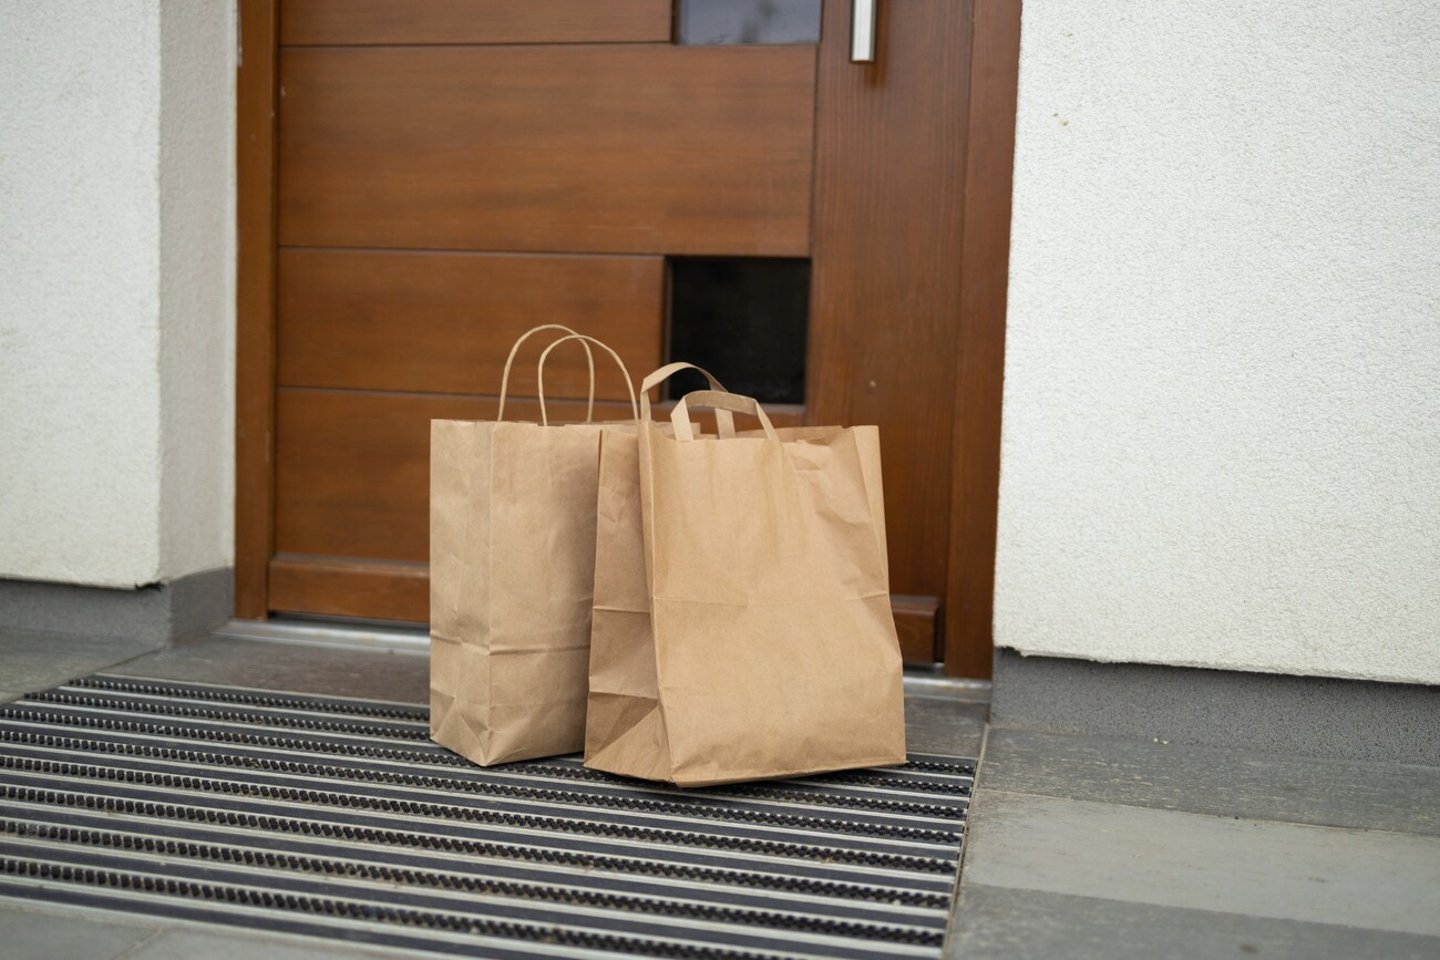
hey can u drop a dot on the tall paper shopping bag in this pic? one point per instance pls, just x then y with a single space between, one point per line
512 565
742 625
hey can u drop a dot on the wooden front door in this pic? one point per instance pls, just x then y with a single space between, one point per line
435 177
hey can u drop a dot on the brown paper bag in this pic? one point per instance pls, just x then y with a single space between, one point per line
512 565
742 625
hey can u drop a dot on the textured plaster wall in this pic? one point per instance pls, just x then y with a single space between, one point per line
1221 441
197 285
116 245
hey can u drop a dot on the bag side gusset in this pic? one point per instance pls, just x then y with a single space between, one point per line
625 729
460 453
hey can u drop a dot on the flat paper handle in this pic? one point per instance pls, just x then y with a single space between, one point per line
680 416
589 362
585 341
724 422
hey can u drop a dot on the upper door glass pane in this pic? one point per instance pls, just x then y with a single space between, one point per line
747 21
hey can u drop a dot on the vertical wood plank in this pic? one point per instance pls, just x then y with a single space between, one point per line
255 159
885 300
989 171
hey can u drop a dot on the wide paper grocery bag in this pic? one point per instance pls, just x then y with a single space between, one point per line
742 626
512 565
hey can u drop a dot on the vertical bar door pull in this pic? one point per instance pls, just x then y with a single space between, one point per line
862 31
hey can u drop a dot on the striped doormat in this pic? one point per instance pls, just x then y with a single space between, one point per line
338 818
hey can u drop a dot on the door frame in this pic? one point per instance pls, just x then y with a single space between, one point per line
985 243
256 182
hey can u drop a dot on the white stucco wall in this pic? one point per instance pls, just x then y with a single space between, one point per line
116 280
1221 441
197 285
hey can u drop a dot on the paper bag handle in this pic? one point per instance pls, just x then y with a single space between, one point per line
585 341
724 422
510 360
680 416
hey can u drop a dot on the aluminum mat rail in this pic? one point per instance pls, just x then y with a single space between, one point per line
339 818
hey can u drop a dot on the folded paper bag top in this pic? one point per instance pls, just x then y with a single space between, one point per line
512 564
742 625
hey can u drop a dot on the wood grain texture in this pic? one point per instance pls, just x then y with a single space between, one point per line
353 468
919 624
315 22
335 586
885 302
989 170
437 322
352 475
593 149
255 176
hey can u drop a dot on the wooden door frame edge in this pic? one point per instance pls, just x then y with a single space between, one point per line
984 271
256 160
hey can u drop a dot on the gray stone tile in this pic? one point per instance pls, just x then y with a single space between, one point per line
7 695
221 943
1252 786
1271 713
327 669
944 725
32 660
35 932
997 923
1288 871
155 614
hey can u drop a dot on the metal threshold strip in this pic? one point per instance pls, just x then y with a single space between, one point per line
389 636
338 818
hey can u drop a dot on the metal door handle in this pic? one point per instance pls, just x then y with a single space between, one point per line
862 31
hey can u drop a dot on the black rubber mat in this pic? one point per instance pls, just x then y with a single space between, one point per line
339 819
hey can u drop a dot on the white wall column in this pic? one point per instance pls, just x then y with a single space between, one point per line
116 294
1221 442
